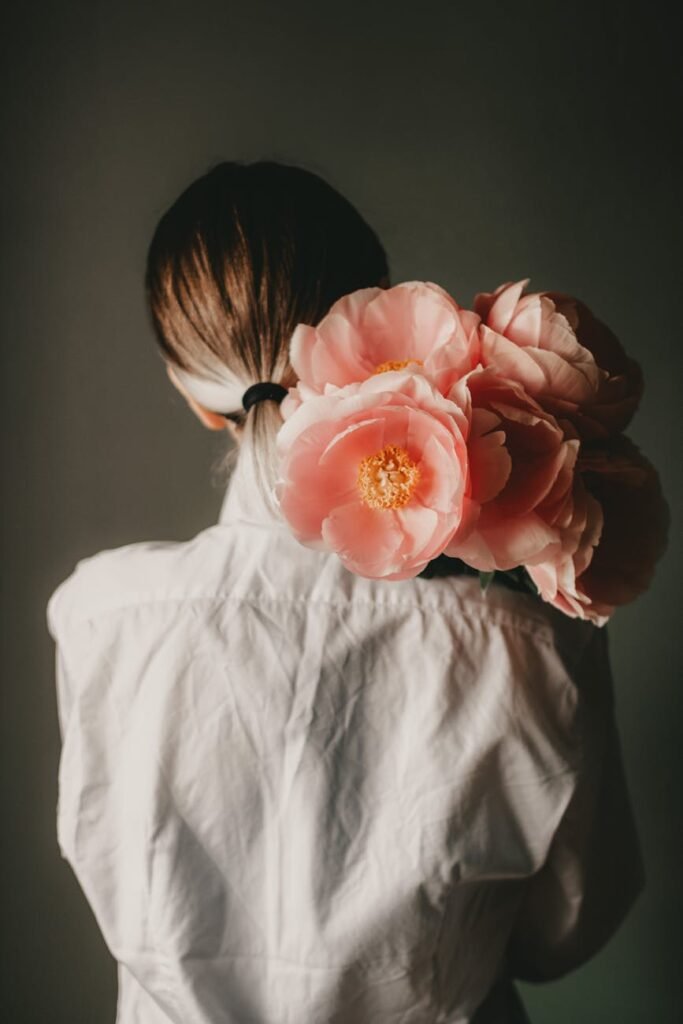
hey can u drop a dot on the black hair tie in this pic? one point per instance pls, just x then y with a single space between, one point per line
264 391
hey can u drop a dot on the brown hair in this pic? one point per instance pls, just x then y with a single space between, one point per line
245 254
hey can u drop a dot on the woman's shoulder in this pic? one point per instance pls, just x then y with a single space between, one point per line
146 572
269 566
478 610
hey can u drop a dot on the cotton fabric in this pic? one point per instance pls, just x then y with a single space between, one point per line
292 795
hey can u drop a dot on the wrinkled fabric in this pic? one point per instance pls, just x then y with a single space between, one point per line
291 794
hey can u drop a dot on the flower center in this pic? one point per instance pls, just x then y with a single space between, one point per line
396 364
388 478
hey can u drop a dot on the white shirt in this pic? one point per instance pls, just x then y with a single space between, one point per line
295 796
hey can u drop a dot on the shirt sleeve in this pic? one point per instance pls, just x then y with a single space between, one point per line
594 871
57 605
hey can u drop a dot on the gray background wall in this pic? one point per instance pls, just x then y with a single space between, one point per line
485 142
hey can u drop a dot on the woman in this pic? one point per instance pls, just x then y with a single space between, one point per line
290 793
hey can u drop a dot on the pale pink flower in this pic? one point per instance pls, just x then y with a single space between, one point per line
415 326
376 472
294 397
522 469
527 339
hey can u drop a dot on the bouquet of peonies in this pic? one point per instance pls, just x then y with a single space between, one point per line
494 435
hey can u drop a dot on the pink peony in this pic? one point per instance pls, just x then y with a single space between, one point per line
625 487
610 410
376 472
522 470
527 339
415 325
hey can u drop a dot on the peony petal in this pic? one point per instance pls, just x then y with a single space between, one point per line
556 506
307 490
301 347
522 540
368 541
469 517
500 310
301 392
473 550
442 478
419 526
490 465
530 482
459 356
509 360
526 323
540 371
408 322
353 306
335 406
339 355
544 576
352 444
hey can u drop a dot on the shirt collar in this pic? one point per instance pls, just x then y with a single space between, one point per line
245 502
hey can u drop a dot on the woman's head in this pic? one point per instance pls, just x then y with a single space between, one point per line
246 253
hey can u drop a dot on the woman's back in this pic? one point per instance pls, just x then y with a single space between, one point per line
293 794
301 787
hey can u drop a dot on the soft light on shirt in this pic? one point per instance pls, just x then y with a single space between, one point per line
294 796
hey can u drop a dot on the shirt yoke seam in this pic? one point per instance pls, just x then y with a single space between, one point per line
499 616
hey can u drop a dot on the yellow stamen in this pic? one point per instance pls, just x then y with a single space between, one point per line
396 364
388 478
